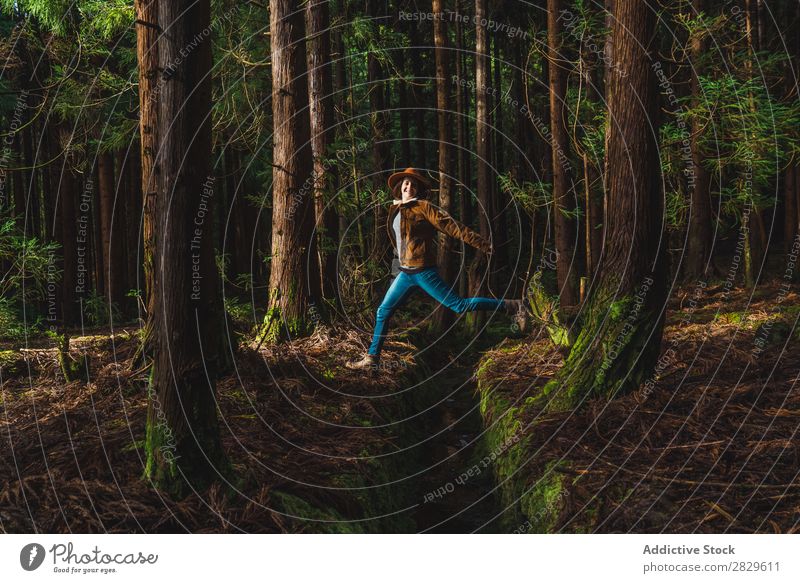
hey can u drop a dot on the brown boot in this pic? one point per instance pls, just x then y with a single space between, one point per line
369 362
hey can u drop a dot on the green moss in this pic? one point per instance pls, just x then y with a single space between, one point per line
11 362
307 517
731 317
134 445
161 470
542 504
619 308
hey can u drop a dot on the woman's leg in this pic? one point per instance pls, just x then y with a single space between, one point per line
438 289
395 295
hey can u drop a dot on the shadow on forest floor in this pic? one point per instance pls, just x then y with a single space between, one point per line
711 447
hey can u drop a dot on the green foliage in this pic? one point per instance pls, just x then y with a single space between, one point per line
56 15
98 312
531 196
373 38
11 322
107 18
32 264
241 313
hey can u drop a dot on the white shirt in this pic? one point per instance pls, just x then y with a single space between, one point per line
397 231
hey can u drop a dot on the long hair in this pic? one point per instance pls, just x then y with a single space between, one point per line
422 190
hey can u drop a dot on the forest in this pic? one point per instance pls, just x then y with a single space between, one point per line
197 240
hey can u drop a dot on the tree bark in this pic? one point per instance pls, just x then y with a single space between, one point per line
402 104
133 219
563 194
183 446
75 276
443 317
477 280
293 265
147 35
754 240
618 345
593 196
111 236
320 90
418 57
462 137
700 235
791 225
380 151
340 83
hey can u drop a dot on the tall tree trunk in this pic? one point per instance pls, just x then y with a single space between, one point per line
563 194
147 35
462 136
75 277
420 105
111 236
320 90
341 90
380 151
754 240
402 104
443 317
499 197
240 236
133 219
96 246
593 196
293 265
791 225
29 183
619 342
183 446
520 167
700 235
477 280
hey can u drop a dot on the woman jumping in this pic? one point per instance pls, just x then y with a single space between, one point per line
411 226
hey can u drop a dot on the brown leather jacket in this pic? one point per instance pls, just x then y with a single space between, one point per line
418 222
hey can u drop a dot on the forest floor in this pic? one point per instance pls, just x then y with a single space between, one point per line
709 445
712 446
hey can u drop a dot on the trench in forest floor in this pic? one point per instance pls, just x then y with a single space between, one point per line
455 489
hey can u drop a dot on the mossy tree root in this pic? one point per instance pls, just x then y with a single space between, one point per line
183 448
545 307
614 352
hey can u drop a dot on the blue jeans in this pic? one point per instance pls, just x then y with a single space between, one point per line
434 286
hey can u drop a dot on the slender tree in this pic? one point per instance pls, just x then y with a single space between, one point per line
133 218
791 228
147 34
477 283
462 138
443 317
320 93
419 59
755 240
111 251
499 202
563 193
65 226
379 121
593 196
700 236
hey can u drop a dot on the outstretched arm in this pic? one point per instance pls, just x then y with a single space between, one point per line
448 225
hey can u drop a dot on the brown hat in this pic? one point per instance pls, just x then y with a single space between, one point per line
409 172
